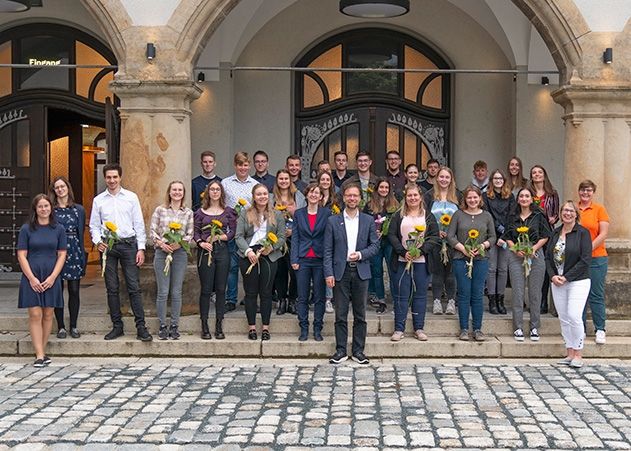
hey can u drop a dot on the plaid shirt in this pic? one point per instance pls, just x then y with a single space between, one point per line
161 218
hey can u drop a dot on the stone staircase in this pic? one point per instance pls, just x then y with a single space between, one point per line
442 330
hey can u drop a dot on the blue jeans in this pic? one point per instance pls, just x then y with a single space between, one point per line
405 290
170 282
470 291
233 275
376 285
596 299
311 270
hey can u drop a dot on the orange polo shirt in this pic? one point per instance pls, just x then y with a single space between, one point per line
591 217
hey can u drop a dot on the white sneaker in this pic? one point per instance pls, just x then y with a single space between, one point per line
451 307
518 335
601 338
534 335
328 306
438 307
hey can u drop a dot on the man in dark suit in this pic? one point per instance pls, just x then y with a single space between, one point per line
350 241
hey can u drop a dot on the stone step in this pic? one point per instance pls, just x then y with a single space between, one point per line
236 323
287 346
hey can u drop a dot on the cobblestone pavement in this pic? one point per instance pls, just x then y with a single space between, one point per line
147 404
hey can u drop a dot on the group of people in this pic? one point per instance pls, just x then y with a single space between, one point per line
324 244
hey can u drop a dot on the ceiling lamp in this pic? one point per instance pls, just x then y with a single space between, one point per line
374 8
14 6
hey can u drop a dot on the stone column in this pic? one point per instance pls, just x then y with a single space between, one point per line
598 147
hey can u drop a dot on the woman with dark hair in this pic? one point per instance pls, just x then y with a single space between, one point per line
546 198
286 199
500 202
213 269
254 227
41 249
567 260
410 271
526 221
307 251
72 217
381 206
173 211
328 190
516 179
412 175
471 234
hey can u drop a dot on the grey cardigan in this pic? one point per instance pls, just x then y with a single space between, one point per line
245 232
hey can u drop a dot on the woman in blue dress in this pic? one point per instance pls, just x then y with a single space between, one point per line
72 217
41 254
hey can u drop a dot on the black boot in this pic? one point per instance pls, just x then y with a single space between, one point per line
282 307
219 335
500 304
205 331
291 307
493 304
544 306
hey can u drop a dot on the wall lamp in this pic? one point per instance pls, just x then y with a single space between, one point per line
545 81
201 77
608 55
151 51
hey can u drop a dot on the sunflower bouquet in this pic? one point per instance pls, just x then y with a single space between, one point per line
216 229
415 241
443 224
470 245
524 245
335 209
174 236
109 237
286 214
266 242
366 195
241 203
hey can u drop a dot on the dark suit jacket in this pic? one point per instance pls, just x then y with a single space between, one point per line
303 238
431 245
336 246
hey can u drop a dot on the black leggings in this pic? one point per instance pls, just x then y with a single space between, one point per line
213 279
73 305
258 283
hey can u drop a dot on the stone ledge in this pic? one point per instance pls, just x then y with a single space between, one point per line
9 342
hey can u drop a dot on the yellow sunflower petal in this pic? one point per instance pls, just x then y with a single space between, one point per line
272 237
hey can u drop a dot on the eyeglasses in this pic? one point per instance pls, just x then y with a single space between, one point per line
586 190
568 210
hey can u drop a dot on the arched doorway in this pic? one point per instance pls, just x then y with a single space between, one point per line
52 121
370 111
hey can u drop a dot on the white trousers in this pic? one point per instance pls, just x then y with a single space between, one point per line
569 301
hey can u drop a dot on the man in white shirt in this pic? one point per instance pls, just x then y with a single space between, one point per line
121 207
237 186
350 241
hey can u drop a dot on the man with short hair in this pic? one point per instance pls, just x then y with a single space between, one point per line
201 181
394 174
364 178
261 164
237 186
341 173
480 175
350 241
294 167
324 166
122 208
431 171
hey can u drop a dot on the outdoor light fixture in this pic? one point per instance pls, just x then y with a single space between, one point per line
151 51
14 6
201 77
545 81
374 8
608 55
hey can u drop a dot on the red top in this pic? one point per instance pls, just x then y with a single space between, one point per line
312 221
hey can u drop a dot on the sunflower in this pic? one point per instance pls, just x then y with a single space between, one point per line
522 229
272 237
419 228
369 190
281 207
217 222
242 202
474 234
175 226
445 219
335 209
109 225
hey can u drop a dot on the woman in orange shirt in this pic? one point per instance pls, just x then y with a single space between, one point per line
595 219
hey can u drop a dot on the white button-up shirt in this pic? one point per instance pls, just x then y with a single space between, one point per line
352 230
123 209
236 189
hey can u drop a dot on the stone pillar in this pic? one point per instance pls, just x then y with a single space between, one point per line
598 147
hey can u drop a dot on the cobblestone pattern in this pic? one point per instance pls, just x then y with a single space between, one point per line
267 406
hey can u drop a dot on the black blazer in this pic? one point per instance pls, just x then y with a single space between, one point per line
578 253
430 245
303 238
